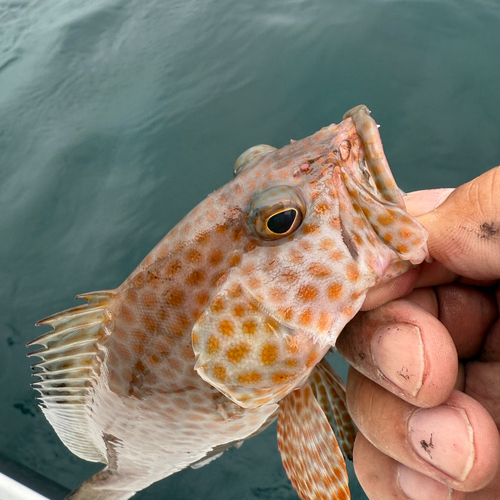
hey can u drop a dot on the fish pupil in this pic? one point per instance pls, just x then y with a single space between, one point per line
281 222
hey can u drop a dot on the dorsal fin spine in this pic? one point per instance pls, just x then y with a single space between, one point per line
70 360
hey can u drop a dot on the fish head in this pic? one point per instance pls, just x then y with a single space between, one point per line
321 222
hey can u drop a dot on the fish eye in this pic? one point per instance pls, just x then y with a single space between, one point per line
282 222
276 213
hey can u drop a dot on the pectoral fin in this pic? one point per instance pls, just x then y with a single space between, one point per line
309 450
329 390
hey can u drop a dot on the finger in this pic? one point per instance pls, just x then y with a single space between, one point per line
382 477
421 202
404 348
467 313
390 290
456 443
464 231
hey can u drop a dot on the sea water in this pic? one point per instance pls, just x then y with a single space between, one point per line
118 116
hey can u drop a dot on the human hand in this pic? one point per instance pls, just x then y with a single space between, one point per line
425 388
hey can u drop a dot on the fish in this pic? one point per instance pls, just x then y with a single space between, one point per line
224 326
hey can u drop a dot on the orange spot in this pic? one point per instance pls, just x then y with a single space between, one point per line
250 246
249 327
325 321
138 280
335 291
195 339
322 208
310 228
405 233
163 314
268 354
211 215
280 378
254 282
357 238
292 344
173 268
326 244
402 248
153 279
140 336
367 212
388 238
215 258
131 295
193 256
226 327
235 291
290 362
352 271
249 378
336 255
285 312
306 245
312 359
237 353
175 298
202 299
203 237
405 219
149 300
239 310
196 277
319 270
305 317
307 293
348 311
139 366
162 349
126 314
238 233
213 345
219 373
385 219
248 269
296 257
220 228
234 260
277 294
335 223
138 348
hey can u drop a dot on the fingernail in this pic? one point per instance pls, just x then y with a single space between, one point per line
398 352
417 486
443 437
422 202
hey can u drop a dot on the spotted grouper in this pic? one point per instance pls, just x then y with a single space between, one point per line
224 325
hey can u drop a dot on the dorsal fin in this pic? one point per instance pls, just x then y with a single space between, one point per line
70 363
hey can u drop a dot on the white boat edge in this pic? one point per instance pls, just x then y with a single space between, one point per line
12 490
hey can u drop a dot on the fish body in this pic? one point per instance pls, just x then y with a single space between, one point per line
229 316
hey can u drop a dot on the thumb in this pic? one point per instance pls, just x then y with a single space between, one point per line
464 232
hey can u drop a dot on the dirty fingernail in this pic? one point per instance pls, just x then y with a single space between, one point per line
443 437
417 486
398 352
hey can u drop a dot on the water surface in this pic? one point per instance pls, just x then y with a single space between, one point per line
118 116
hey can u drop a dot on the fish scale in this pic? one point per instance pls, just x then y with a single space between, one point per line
224 325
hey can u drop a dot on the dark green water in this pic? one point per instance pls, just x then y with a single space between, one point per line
117 117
